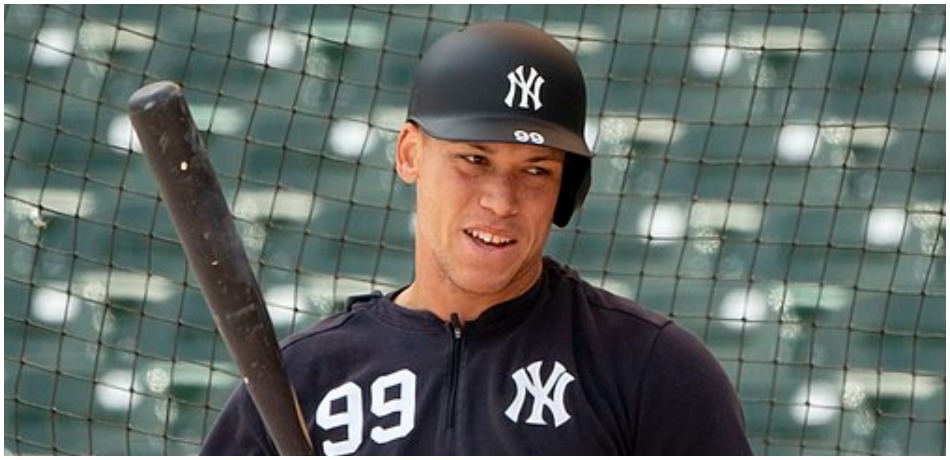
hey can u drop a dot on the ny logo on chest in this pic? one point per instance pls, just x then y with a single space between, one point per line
547 394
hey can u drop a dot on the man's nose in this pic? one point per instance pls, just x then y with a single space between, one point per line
499 195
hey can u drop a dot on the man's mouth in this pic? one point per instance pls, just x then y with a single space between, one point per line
488 238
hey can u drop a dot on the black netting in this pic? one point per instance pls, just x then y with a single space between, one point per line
773 177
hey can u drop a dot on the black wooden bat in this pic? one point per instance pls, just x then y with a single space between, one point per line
189 188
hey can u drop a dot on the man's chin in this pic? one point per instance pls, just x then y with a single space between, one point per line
491 283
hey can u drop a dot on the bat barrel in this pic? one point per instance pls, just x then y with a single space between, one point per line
189 188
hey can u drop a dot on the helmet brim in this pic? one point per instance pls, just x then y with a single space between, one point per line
503 129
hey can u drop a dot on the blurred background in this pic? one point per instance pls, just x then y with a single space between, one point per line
772 177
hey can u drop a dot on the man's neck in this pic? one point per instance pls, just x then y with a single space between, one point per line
467 306
443 300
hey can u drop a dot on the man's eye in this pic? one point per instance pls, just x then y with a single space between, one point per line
538 171
473 159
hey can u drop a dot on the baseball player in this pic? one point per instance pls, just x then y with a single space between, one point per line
494 348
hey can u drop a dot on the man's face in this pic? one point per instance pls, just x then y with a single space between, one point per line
484 211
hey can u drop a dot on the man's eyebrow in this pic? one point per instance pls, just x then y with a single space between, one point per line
546 155
482 147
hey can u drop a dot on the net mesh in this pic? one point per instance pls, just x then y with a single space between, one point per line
772 177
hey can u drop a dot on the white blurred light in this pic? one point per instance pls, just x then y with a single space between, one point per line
158 380
743 307
591 131
712 56
664 222
273 48
130 36
930 59
54 46
797 143
227 120
292 205
114 391
54 307
817 404
11 117
122 136
350 138
282 304
886 226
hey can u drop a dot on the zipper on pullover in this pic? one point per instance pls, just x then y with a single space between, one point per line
455 324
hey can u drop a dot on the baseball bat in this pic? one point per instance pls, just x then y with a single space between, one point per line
189 188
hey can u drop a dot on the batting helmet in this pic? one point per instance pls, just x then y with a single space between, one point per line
507 82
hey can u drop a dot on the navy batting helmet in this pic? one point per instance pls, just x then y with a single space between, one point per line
507 82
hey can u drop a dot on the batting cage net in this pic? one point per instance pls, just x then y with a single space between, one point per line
772 177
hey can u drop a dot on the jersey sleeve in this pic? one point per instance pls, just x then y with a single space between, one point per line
688 406
239 429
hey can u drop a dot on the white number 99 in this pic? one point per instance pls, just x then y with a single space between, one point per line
533 137
349 404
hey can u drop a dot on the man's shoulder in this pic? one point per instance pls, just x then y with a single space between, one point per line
354 307
602 301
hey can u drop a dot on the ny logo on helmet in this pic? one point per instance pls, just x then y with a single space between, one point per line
530 88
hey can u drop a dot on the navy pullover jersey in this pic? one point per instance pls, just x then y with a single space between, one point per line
566 368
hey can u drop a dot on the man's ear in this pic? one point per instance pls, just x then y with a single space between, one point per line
408 152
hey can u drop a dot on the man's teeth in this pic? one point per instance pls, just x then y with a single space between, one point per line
488 238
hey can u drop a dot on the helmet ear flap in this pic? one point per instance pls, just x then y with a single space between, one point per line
575 183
